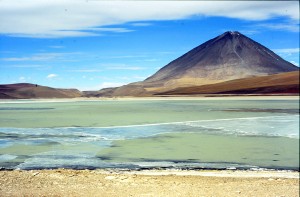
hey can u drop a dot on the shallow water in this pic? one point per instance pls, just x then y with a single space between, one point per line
207 151
204 133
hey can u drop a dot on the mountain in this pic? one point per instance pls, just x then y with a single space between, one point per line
229 56
28 91
230 63
283 83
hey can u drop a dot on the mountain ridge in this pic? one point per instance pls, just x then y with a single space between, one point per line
228 56
29 91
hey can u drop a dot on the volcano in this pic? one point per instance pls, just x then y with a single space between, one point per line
229 56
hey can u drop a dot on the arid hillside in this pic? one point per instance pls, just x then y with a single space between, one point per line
283 83
28 91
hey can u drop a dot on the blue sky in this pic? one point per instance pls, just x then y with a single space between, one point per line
91 45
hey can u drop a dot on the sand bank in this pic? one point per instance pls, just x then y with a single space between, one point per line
63 182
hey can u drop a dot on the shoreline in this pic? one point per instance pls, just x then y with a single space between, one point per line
234 173
107 182
166 169
162 98
288 174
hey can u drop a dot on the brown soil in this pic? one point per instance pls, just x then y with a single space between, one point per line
283 83
63 182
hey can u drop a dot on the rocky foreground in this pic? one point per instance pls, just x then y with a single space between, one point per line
63 182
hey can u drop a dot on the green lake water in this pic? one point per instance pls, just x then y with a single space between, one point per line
200 133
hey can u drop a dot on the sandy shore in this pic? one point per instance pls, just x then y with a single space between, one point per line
63 182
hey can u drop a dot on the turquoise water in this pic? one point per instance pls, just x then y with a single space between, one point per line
205 133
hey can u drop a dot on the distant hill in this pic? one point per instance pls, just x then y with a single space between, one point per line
283 83
105 92
28 91
226 57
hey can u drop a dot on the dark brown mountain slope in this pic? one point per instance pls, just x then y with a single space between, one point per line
283 83
27 91
226 57
230 55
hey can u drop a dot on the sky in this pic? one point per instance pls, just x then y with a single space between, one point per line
91 44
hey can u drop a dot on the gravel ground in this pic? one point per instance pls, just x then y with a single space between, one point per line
62 182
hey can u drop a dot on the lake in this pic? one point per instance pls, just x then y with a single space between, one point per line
206 133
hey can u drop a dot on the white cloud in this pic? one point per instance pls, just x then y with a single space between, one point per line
24 66
110 29
35 57
141 24
22 79
290 54
292 27
86 70
77 18
149 60
125 68
51 76
52 34
295 63
288 50
249 32
122 57
42 57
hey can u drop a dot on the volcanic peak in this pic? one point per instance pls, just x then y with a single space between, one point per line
231 33
228 56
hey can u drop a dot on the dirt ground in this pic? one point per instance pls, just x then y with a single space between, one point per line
62 182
